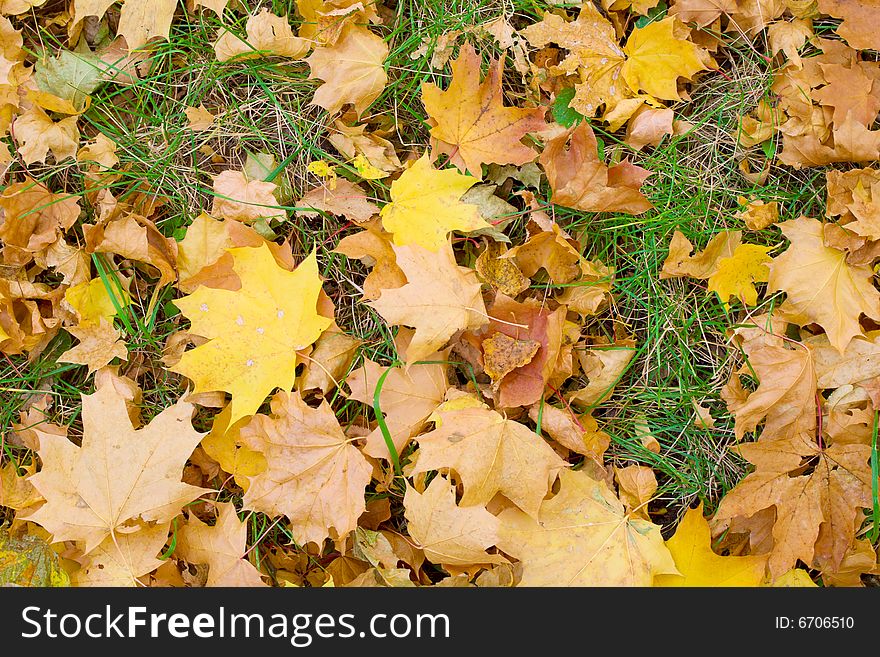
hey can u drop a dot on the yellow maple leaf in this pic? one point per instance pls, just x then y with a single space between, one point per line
582 536
656 58
92 301
254 332
736 276
425 206
691 548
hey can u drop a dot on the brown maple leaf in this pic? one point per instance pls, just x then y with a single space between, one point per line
470 122
581 181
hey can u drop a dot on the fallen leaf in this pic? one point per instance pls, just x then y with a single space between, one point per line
372 246
200 119
491 455
820 286
859 21
351 70
581 181
267 35
470 123
758 214
736 276
29 561
315 476
345 200
239 198
255 331
425 206
121 560
38 135
98 345
691 548
636 485
501 273
407 398
121 478
582 536
680 262
221 546
452 536
439 299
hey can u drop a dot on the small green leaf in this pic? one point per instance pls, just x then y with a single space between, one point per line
563 114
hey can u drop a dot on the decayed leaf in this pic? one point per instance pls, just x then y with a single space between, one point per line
758 214
820 285
254 332
121 479
267 34
521 348
221 546
736 276
691 548
239 198
439 299
345 199
29 561
502 354
580 180
452 536
425 206
582 536
470 122
351 70
491 455
501 273
315 476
